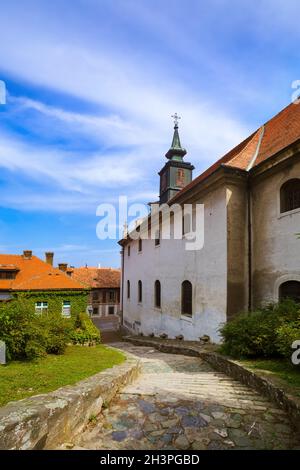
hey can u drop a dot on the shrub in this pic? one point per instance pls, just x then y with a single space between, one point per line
29 336
286 334
58 331
34 350
248 335
255 334
16 320
85 332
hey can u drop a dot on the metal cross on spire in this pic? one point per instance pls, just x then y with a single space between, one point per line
176 119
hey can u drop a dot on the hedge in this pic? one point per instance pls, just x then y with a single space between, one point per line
266 332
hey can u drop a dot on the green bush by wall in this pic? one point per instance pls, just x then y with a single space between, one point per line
28 335
267 332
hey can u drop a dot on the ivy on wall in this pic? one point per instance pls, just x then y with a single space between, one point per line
55 299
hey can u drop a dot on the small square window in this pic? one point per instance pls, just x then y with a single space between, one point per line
111 310
95 296
41 307
95 311
66 309
112 296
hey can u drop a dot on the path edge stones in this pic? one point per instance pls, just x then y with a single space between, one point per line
44 421
232 368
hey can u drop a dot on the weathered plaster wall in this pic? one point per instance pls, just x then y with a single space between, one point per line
237 248
276 249
171 264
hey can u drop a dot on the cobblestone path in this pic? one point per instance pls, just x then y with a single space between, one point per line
180 402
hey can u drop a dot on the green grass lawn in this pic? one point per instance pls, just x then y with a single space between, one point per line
279 369
21 379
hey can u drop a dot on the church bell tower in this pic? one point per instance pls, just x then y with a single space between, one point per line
176 173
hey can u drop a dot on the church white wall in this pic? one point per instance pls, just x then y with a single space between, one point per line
171 264
276 249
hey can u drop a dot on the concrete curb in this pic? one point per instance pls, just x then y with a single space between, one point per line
45 421
234 369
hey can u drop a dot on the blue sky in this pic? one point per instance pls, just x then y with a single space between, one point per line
91 88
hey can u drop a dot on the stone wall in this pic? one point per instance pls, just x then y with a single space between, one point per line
234 369
44 421
261 384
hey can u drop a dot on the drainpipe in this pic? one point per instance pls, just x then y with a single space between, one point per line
122 285
249 223
250 166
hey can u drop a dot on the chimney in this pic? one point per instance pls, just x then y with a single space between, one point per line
27 254
49 258
63 267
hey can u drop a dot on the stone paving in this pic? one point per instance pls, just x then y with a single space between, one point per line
180 402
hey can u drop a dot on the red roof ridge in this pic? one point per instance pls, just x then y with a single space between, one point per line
36 274
98 278
280 131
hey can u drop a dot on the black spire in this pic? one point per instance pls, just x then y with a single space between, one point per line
176 152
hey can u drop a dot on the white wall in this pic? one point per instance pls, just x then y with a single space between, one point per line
171 264
276 249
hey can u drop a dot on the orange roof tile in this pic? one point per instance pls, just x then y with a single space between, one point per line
35 274
277 134
280 132
98 278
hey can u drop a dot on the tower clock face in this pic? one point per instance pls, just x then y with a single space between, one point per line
163 182
180 180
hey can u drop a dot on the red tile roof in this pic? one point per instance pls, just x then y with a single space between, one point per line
97 278
35 274
277 134
8 267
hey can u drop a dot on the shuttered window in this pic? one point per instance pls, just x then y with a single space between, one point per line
66 309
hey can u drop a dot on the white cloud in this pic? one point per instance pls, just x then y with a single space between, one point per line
103 128
136 97
137 100
63 168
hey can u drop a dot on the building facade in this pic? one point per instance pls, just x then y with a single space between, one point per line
104 285
46 288
251 252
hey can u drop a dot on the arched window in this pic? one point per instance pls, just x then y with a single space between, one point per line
157 294
291 290
140 245
128 289
140 292
290 195
187 298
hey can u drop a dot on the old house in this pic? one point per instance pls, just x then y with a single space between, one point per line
251 252
104 285
49 289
